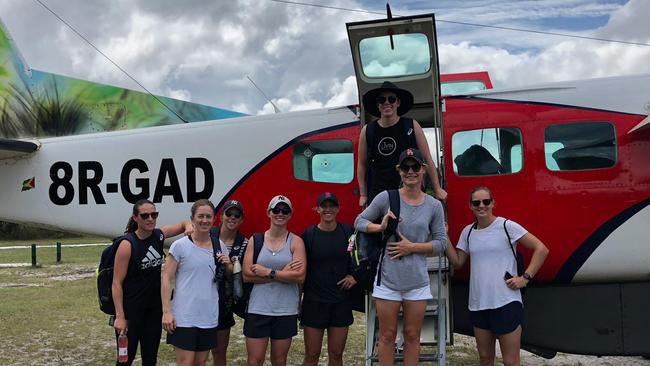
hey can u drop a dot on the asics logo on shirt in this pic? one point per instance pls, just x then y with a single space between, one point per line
152 259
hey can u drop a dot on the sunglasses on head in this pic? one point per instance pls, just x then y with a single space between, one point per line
235 214
145 215
406 167
486 202
281 210
382 99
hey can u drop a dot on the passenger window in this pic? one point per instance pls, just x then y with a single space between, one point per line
410 55
487 151
461 87
327 161
580 146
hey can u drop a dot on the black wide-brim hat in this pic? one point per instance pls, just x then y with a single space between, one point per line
370 99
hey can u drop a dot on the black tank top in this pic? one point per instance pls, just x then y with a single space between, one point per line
389 142
141 286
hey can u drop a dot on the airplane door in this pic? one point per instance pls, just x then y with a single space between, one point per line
403 51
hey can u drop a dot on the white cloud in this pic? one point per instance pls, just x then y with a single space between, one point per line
300 55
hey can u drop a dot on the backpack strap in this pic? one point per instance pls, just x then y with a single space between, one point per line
391 229
395 205
474 225
308 236
135 248
509 240
259 243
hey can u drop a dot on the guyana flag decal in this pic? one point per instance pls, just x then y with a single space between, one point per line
29 184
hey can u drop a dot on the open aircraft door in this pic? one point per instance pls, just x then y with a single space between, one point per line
404 51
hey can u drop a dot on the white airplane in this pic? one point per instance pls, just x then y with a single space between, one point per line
568 160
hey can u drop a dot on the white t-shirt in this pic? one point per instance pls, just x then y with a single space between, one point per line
196 296
491 257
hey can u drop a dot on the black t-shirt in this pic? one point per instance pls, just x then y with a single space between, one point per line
328 262
141 286
389 142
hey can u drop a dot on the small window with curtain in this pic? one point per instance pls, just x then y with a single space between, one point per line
580 146
488 151
327 161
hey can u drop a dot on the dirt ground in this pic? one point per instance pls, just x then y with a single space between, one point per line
563 359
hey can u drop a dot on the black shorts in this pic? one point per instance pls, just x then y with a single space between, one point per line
322 315
226 320
193 339
275 327
501 320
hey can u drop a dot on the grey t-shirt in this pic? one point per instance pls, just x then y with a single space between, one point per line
418 223
275 298
196 296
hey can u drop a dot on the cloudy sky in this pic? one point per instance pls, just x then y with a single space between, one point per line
202 51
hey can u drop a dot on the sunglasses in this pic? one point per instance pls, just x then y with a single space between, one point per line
382 99
279 210
145 215
486 202
406 167
234 214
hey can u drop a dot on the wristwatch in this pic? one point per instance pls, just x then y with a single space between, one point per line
527 276
272 274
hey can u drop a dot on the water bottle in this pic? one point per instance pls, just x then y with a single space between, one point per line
238 290
122 348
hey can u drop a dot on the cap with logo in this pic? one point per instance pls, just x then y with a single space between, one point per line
411 154
233 204
278 200
327 196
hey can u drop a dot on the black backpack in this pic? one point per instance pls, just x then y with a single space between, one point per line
105 272
368 249
240 306
226 298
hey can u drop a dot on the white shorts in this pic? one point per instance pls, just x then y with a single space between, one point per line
384 293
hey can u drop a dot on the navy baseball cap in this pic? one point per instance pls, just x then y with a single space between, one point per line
233 204
327 196
409 153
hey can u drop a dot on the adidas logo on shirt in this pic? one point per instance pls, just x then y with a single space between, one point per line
152 259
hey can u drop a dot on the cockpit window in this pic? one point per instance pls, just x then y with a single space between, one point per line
410 56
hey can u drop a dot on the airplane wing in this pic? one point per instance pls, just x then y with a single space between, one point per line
15 148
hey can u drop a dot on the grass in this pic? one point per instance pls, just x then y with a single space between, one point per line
50 316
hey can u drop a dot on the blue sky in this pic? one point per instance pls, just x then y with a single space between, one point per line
202 50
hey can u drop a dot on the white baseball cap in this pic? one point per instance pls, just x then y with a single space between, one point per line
280 199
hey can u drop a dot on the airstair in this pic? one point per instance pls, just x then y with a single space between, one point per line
404 51
436 327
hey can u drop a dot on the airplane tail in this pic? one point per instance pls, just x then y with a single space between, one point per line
34 103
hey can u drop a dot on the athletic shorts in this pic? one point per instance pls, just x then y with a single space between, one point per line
226 320
384 293
322 315
501 320
193 339
275 327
